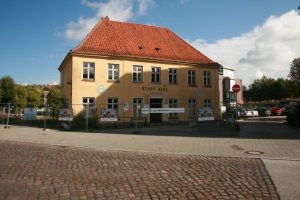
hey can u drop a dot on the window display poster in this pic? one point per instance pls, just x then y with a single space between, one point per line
205 114
65 114
108 115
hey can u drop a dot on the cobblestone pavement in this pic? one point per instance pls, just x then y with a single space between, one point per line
30 171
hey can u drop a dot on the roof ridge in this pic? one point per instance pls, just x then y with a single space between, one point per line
136 24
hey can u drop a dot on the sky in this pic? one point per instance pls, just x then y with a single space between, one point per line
253 37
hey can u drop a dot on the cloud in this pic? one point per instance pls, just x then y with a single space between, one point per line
266 50
117 10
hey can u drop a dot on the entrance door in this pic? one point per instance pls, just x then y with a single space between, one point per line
155 117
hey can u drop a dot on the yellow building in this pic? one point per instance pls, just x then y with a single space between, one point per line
138 70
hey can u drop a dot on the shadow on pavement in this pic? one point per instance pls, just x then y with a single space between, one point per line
252 128
268 128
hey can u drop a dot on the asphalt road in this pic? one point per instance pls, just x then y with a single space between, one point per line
285 173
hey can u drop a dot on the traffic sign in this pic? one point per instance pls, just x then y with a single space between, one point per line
236 88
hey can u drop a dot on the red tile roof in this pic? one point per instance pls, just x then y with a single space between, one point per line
135 40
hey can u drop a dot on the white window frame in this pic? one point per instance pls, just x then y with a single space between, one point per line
90 70
192 103
137 102
173 103
114 104
90 103
173 75
192 77
114 69
155 73
207 79
207 103
137 74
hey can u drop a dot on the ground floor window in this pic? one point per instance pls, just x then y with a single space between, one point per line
137 107
192 109
173 103
207 103
88 106
112 103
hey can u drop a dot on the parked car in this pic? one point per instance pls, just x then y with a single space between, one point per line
264 112
246 113
286 111
255 113
276 111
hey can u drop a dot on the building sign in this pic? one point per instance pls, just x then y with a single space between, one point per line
108 115
30 113
205 114
223 109
126 107
162 110
65 115
200 93
155 89
100 89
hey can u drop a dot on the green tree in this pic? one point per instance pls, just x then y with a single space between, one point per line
294 75
265 89
259 89
21 96
7 85
34 96
55 101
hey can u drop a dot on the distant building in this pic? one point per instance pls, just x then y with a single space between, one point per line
226 81
131 68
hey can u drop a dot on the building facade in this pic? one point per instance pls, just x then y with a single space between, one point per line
133 68
226 80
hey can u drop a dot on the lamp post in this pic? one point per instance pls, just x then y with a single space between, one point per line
45 116
8 113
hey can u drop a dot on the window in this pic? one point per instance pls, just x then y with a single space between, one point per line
207 103
192 77
113 72
192 109
112 103
155 78
137 107
173 103
88 107
172 76
88 71
207 79
137 74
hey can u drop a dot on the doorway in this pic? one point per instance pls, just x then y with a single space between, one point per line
155 117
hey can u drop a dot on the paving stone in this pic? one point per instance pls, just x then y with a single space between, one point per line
30 171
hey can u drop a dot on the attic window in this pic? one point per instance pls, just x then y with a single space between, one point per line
157 49
141 47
